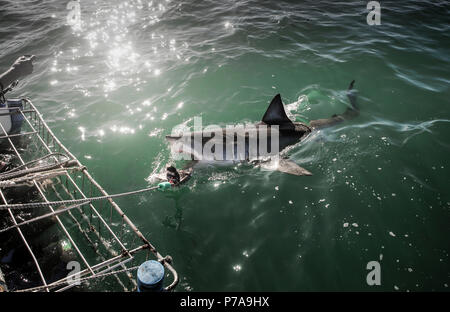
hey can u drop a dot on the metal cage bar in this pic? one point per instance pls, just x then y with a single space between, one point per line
65 187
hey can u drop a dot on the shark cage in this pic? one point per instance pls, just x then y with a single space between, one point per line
53 236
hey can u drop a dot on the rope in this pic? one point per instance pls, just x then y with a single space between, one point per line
75 201
81 280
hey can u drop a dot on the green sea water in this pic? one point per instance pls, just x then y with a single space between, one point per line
113 89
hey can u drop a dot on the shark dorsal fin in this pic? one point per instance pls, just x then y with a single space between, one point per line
276 115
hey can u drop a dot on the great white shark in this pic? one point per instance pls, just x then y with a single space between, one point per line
287 131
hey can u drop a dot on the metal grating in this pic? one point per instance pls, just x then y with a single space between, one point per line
99 231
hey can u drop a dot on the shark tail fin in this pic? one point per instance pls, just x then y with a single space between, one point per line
351 95
350 113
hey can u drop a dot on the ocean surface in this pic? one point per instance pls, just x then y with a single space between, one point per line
113 88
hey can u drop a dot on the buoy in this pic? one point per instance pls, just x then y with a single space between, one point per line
5 120
16 119
150 276
164 186
11 122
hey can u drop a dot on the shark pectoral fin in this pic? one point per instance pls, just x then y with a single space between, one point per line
288 166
